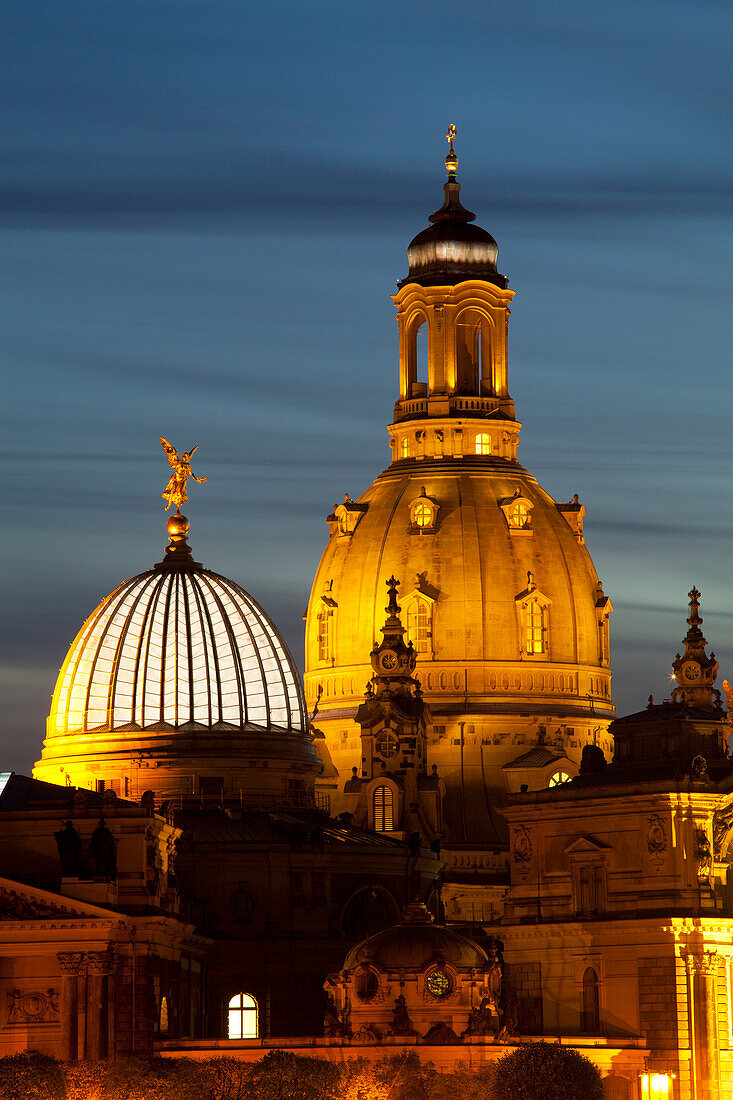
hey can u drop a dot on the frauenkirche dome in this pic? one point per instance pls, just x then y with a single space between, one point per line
499 594
177 666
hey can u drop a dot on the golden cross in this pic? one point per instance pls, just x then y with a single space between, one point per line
451 135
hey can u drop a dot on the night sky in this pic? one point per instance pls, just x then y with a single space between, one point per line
203 210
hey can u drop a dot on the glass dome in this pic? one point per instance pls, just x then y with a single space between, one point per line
178 648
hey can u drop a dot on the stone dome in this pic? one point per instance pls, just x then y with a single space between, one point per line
498 592
415 943
177 661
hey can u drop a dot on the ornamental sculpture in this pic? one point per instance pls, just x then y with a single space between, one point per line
175 490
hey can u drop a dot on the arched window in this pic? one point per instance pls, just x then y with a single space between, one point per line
590 1015
422 514
416 357
370 910
483 443
419 623
367 985
325 634
404 447
243 1017
558 778
534 627
383 802
163 1019
518 514
473 354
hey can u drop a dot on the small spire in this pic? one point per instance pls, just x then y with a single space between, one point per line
393 609
451 161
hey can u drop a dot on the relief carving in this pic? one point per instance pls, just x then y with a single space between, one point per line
656 840
522 851
703 855
33 1008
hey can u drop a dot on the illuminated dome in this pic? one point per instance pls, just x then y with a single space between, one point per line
499 594
179 667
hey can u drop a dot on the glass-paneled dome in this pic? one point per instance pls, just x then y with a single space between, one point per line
178 647
181 673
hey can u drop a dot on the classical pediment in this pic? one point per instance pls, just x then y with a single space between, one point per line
19 902
585 843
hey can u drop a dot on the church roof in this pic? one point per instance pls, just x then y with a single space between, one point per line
263 828
537 757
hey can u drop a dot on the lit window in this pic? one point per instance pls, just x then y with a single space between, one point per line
422 515
534 627
519 514
243 1022
163 1015
404 447
419 615
590 1014
483 444
383 800
558 778
325 634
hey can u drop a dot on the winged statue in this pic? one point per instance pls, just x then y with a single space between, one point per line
175 490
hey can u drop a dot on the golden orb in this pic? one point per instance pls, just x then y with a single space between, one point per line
178 526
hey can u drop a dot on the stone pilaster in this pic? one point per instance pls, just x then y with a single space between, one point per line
100 965
701 969
72 964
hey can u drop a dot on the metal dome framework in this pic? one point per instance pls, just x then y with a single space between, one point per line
178 649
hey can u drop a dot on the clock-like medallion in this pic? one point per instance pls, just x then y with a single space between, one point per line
386 744
691 671
388 660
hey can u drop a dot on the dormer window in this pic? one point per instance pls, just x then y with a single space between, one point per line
534 628
559 777
483 443
533 608
325 634
423 513
518 513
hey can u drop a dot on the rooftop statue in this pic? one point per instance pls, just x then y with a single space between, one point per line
175 490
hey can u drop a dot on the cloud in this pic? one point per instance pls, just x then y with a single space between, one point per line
42 187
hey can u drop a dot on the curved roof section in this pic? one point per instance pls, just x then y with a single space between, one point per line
415 943
451 249
178 648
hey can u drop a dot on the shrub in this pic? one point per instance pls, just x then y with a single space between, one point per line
31 1076
546 1071
285 1076
134 1079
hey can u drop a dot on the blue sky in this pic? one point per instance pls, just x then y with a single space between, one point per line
203 210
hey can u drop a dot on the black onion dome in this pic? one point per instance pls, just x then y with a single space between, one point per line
451 249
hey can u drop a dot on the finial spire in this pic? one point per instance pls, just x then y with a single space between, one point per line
451 161
694 671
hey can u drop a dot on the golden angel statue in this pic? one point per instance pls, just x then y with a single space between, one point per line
175 490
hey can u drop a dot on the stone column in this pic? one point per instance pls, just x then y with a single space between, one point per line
99 965
71 963
704 1024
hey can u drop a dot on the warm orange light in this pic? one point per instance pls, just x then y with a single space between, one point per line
655 1086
